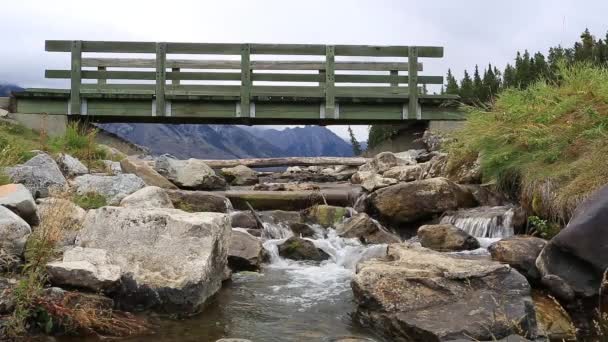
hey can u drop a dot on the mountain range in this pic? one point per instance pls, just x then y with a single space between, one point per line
231 141
6 89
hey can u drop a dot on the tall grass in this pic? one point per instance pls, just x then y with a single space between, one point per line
546 145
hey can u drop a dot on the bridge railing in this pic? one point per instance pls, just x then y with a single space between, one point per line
332 78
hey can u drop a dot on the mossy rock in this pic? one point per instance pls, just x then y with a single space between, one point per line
326 215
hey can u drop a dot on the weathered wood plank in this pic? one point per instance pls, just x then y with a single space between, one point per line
245 80
76 77
174 70
101 80
412 84
330 79
289 161
288 49
387 51
161 74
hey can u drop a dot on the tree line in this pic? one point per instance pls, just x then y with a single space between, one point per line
528 68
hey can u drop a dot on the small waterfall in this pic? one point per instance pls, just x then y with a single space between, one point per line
276 231
484 222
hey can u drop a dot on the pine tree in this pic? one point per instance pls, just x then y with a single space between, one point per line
541 68
509 77
489 84
353 141
583 51
477 85
452 85
466 89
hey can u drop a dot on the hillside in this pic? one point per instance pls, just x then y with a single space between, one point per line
6 89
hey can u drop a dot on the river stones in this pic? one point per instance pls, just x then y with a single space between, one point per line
240 175
245 252
296 248
191 174
325 215
301 229
243 219
446 238
171 261
409 202
520 252
14 232
366 229
18 199
553 321
86 268
148 197
384 161
199 201
417 294
404 173
40 175
142 169
71 166
112 188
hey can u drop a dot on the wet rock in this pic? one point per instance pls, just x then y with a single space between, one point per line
420 295
143 170
577 254
240 175
467 173
40 175
301 229
286 200
405 173
408 202
14 232
281 217
553 321
299 249
521 253
375 181
366 229
245 252
243 219
86 268
489 222
446 238
254 232
18 199
384 161
286 187
112 188
171 261
71 166
199 201
486 195
192 174
436 167
148 197
7 298
326 215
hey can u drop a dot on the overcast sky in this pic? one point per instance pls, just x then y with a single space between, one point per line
472 31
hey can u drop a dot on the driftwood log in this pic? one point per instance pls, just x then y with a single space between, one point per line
288 161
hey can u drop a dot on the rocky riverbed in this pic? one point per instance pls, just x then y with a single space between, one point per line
393 250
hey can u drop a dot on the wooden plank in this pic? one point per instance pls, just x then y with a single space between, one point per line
255 65
330 78
161 72
101 46
366 111
245 80
42 105
202 109
289 161
204 48
286 110
173 71
118 107
387 51
394 78
413 84
76 77
288 49
101 80
286 77
341 78
291 91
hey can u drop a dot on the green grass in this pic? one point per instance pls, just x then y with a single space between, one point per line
90 200
545 145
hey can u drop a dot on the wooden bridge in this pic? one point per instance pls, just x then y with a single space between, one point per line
316 84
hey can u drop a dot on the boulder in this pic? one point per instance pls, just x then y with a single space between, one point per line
433 141
171 261
281 217
436 167
404 173
296 248
301 229
446 238
375 181
7 297
467 173
240 175
112 188
14 232
576 257
71 166
326 215
286 187
86 268
111 152
18 199
40 175
410 156
521 253
293 169
190 174
148 197
384 161
553 321
70 215
360 176
366 229
199 201
243 219
113 167
143 170
245 252
417 294
408 202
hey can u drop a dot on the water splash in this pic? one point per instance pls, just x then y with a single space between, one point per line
484 222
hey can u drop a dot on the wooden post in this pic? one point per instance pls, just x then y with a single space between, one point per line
161 77
175 82
101 81
76 77
394 78
413 82
330 78
245 80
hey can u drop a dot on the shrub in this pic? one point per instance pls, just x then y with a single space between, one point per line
79 141
90 200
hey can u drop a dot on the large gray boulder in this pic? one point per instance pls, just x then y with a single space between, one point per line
573 262
521 253
245 252
148 197
14 232
199 201
112 188
404 173
143 170
171 261
40 175
86 268
69 214
71 166
18 198
366 229
376 181
417 294
384 161
190 174
408 202
240 175
446 238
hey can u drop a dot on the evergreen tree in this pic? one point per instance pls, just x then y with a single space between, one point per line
509 77
541 68
353 141
490 84
452 85
583 50
477 85
466 88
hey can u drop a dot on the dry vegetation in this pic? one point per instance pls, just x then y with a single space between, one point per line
545 145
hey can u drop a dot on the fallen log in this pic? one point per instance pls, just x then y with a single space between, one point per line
288 161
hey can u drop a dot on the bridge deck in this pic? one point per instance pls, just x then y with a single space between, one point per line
247 90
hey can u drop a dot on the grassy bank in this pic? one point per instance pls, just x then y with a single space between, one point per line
546 145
